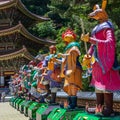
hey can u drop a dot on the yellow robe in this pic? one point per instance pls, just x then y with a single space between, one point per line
73 81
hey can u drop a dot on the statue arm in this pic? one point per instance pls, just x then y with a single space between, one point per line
91 50
108 37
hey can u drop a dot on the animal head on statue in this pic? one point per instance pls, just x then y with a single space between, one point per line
99 13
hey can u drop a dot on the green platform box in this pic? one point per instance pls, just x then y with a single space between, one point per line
21 106
43 112
14 103
17 103
56 114
63 114
12 100
86 116
32 110
26 106
117 117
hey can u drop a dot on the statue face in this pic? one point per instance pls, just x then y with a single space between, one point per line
99 13
52 49
68 39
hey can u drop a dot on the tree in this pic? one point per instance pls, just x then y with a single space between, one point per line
38 7
44 30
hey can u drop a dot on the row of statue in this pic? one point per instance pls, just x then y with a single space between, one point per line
64 69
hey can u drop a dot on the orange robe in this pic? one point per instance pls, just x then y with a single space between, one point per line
73 81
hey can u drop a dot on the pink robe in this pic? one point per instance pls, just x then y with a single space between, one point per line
103 75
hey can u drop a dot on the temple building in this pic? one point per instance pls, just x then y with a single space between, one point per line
17 45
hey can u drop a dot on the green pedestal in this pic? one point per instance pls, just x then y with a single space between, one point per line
63 114
86 116
117 117
32 110
43 112
56 114
21 106
26 106
14 103
11 101
18 103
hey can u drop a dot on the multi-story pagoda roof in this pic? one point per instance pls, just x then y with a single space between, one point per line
23 31
15 11
14 19
12 61
19 53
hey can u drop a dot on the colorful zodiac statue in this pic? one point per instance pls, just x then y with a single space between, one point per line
105 78
71 67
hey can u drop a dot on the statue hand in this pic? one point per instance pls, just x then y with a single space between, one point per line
68 72
54 59
85 37
44 74
59 55
86 61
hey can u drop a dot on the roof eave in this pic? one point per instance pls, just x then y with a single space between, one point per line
21 29
23 9
20 53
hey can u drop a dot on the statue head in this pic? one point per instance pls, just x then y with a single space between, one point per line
31 64
52 49
99 13
69 36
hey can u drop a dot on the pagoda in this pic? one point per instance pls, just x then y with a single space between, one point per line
17 44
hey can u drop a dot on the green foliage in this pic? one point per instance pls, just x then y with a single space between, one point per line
60 44
44 50
86 84
44 30
37 6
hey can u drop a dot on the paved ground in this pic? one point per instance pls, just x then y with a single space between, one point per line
7 112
